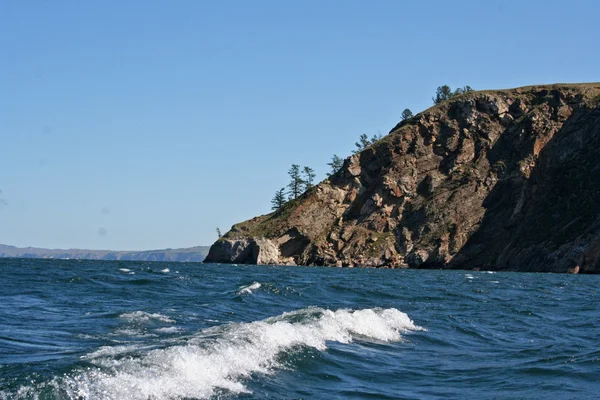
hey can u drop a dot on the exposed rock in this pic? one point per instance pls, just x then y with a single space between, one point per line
504 180
247 251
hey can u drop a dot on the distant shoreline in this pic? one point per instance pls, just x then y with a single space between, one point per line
188 254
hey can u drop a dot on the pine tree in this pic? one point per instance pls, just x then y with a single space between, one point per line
335 164
296 182
364 142
375 138
219 232
442 93
309 177
278 200
406 114
463 90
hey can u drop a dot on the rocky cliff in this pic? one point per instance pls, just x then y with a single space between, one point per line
500 180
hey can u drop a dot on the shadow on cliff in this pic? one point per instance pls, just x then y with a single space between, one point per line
544 210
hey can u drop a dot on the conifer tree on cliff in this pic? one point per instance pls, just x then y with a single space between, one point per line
309 177
335 164
278 200
406 114
364 142
296 182
442 93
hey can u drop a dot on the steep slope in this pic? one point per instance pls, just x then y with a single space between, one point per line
506 180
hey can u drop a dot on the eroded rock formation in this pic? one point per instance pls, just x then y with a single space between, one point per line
503 180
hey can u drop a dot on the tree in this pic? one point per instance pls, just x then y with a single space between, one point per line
463 90
406 114
375 138
442 93
296 182
364 142
278 200
335 164
219 232
309 177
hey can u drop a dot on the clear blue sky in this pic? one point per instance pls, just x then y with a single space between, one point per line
147 124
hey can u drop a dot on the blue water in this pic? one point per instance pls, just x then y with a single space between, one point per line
126 330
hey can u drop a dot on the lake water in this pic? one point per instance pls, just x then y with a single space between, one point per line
127 330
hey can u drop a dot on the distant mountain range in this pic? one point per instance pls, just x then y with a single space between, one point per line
190 254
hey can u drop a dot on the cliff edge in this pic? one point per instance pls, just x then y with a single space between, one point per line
499 180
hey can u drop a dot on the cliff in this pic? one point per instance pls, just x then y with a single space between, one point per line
499 180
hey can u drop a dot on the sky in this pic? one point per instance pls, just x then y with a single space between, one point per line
148 124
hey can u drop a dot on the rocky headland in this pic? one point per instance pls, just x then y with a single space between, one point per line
495 180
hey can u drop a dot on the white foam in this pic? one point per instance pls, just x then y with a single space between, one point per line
169 329
142 316
111 351
124 270
133 333
469 276
249 288
166 270
197 369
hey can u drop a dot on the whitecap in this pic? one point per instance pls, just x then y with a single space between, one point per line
124 270
249 288
133 333
111 351
142 316
169 329
469 276
166 270
199 368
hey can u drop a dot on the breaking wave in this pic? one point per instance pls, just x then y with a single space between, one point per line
142 317
221 358
249 288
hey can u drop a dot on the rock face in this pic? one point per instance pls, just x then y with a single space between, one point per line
247 251
501 180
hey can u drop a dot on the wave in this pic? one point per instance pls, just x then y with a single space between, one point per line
221 358
142 316
249 288
169 329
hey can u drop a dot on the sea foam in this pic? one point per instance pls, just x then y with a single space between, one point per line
199 368
249 288
142 316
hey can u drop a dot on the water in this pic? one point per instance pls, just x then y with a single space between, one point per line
127 330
